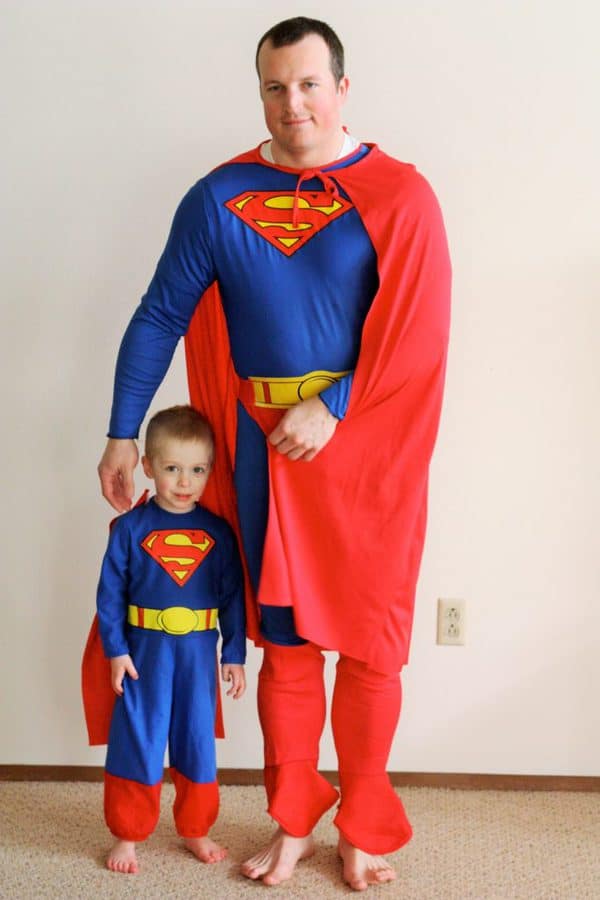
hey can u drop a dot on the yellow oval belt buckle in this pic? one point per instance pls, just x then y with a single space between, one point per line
314 383
177 620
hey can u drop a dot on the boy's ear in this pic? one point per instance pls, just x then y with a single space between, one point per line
147 467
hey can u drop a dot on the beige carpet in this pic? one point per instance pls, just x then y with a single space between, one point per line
467 844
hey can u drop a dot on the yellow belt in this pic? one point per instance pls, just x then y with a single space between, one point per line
281 393
173 619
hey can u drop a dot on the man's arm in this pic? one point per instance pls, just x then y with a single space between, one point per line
183 273
304 430
307 427
115 469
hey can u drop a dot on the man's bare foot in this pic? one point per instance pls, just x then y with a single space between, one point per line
205 849
277 862
122 858
361 869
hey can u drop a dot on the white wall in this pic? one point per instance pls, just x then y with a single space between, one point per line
112 110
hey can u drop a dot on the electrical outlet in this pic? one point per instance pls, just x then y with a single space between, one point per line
451 622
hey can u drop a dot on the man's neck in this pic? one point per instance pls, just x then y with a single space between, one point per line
272 152
308 160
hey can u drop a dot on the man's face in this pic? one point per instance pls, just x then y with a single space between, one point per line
302 103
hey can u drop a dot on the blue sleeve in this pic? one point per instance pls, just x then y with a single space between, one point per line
337 397
232 611
112 595
185 270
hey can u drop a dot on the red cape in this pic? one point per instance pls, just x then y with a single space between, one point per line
97 694
346 531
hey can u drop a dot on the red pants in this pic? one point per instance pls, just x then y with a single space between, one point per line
131 809
364 715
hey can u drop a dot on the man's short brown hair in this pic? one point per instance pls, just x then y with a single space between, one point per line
184 423
290 31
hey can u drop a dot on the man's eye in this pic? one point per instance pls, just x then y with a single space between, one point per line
310 84
272 88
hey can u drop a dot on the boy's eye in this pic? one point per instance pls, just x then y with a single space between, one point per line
171 468
199 470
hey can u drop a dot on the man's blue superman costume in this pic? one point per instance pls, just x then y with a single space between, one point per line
340 275
186 567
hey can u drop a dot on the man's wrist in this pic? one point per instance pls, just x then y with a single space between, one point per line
327 407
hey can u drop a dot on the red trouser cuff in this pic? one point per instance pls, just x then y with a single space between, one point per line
298 796
131 809
371 815
196 805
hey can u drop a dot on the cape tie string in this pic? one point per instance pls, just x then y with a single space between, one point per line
329 185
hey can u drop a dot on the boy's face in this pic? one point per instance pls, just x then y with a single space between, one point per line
180 470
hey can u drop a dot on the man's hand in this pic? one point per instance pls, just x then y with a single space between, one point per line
120 666
304 430
116 472
234 672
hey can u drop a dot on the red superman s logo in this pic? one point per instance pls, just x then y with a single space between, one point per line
269 213
178 552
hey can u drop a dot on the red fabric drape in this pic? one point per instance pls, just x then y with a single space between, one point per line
346 531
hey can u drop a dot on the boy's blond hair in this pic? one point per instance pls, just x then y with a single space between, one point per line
184 423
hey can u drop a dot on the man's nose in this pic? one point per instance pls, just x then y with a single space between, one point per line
293 100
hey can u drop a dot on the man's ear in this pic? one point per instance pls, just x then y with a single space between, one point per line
343 87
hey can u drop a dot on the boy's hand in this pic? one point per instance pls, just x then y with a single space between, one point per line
119 667
234 672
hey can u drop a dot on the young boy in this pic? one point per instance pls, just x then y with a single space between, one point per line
171 568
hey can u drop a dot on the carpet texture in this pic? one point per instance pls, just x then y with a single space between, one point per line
468 845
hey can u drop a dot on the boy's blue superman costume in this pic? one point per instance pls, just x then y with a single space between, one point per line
166 580
349 269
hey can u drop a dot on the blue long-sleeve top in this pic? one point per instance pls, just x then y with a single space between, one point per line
288 312
157 559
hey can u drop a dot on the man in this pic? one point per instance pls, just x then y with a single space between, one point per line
323 265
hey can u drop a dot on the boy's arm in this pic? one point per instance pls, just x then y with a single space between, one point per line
232 612
236 675
120 666
112 594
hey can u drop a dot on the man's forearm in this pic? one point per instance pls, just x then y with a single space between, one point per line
337 397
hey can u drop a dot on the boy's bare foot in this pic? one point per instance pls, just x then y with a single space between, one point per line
361 869
122 858
276 863
205 849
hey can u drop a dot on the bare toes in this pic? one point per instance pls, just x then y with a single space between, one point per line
277 862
